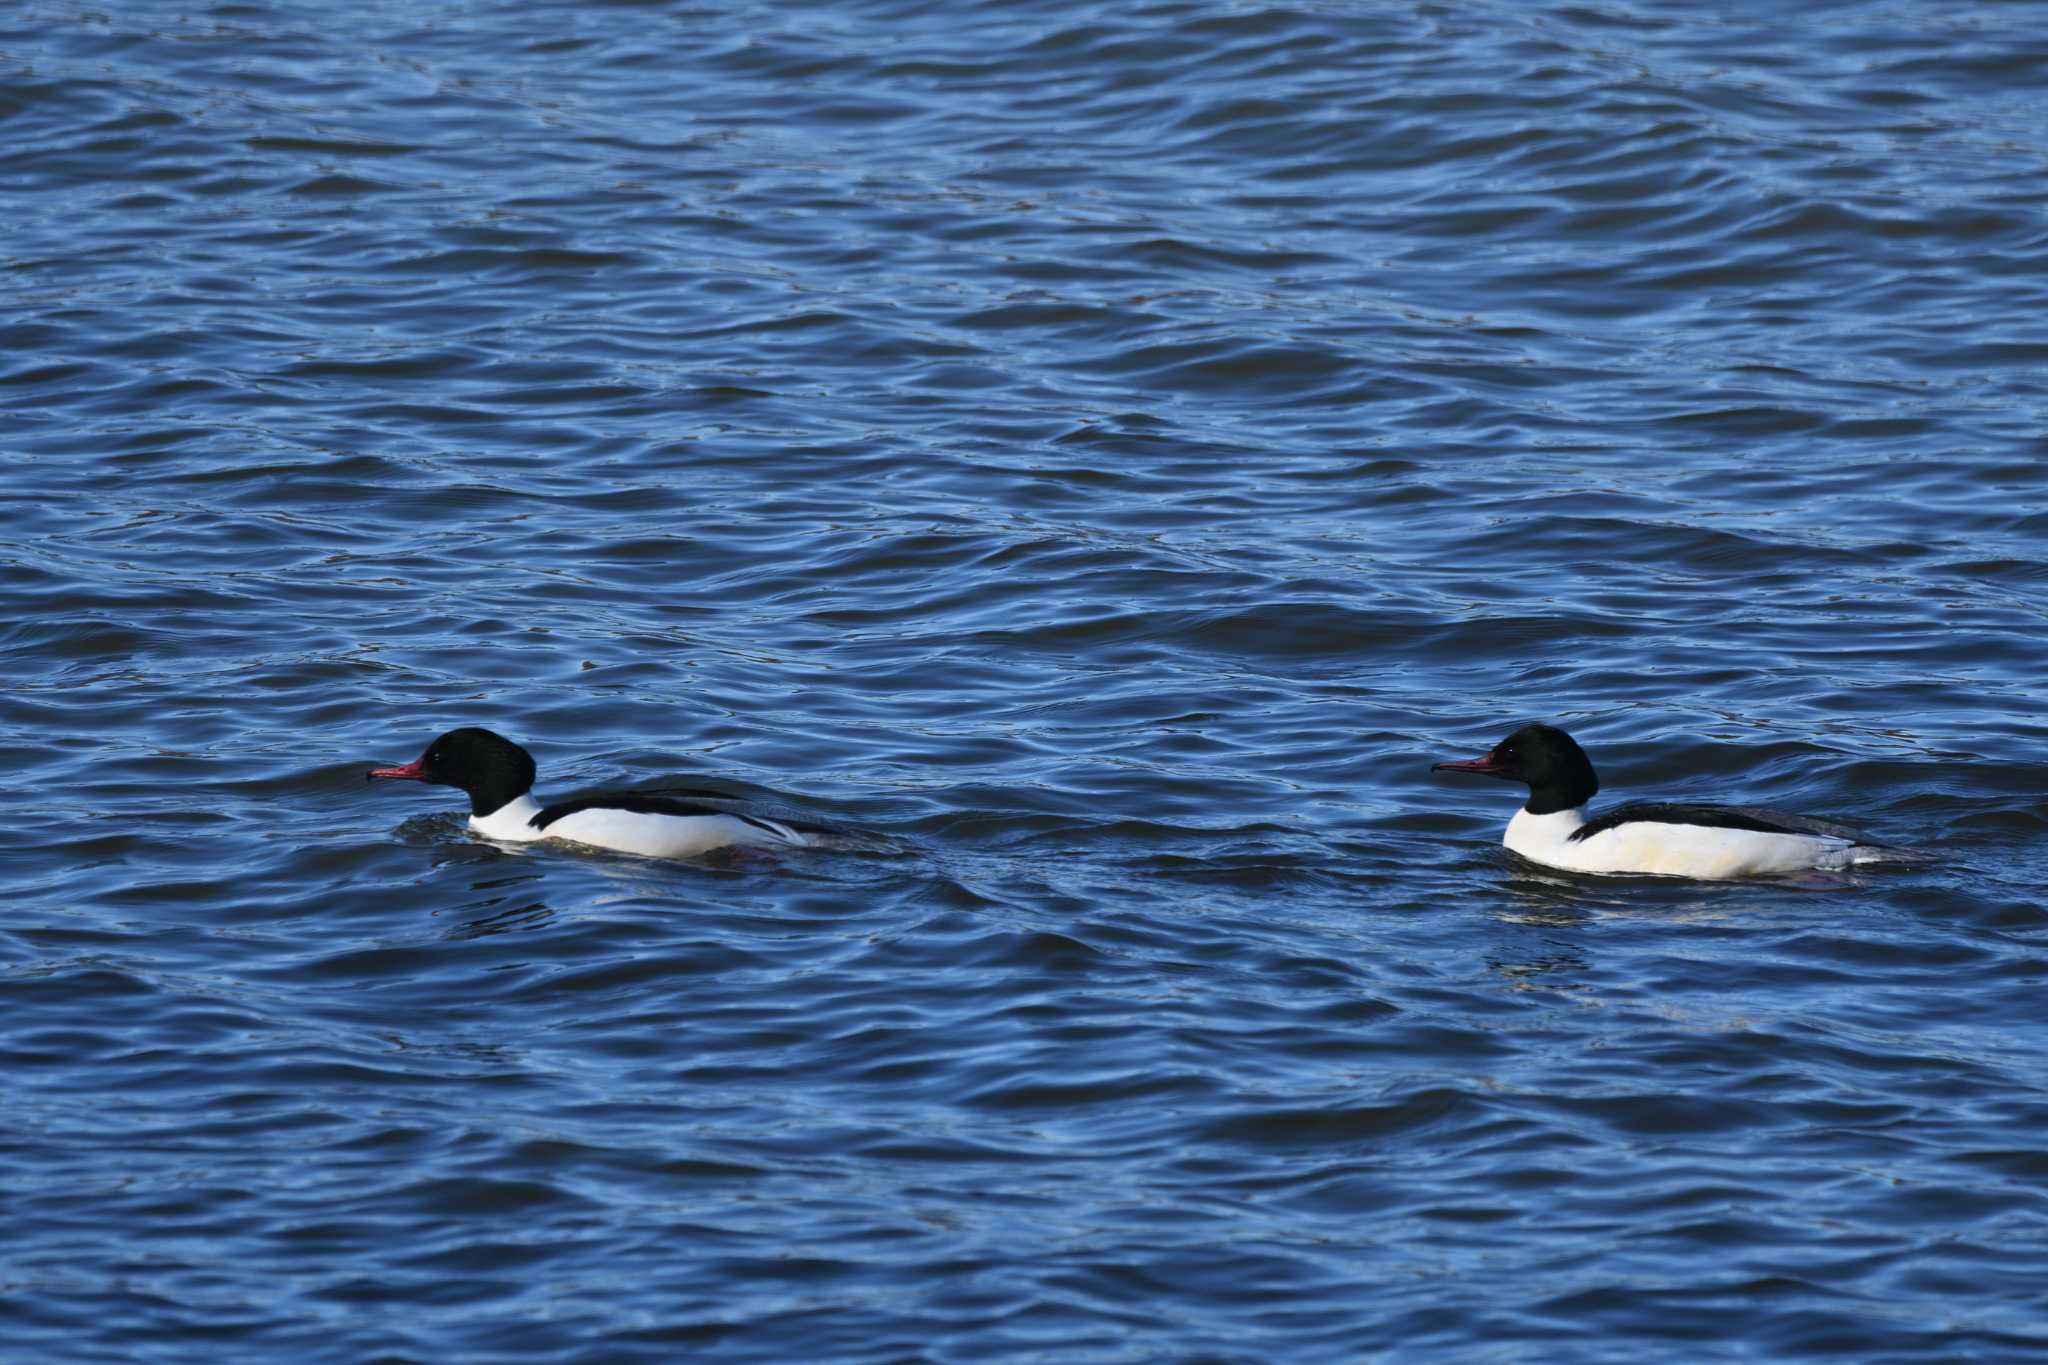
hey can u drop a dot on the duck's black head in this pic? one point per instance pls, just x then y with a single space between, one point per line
1558 773
490 767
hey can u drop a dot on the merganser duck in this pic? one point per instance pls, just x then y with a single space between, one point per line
672 822
1654 838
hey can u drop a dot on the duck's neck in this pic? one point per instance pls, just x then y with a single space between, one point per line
1555 798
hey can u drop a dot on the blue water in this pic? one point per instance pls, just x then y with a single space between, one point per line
1108 453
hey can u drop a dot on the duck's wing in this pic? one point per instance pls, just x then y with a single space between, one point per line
1754 818
763 809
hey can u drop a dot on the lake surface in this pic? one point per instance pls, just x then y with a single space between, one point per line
1108 453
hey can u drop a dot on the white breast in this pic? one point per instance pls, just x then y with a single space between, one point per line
511 823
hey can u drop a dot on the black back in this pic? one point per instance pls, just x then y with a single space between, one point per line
679 801
1720 817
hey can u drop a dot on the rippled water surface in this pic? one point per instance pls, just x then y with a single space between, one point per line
1109 453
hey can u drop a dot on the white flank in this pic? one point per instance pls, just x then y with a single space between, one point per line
650 835
1657 849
